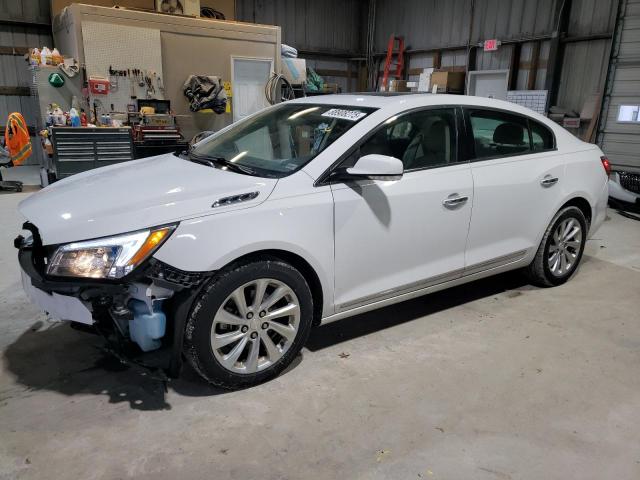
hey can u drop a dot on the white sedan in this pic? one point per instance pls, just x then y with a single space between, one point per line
308 212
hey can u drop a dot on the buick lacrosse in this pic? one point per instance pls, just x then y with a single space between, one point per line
307 212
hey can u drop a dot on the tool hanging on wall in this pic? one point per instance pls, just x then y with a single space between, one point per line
85 85
158 80
113 84
150 88
131 85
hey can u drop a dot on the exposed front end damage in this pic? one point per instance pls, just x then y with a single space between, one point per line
143 312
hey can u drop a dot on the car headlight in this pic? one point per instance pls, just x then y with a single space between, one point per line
109 257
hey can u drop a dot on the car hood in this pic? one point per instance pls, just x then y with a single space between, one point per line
134 195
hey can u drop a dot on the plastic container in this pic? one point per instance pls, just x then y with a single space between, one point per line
48 146
75 118
147 328
56 58
45 56
34 58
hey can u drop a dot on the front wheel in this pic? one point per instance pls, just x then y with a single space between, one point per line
249 324
560 250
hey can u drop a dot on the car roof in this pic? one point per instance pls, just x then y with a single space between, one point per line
394 103
404 101
365 99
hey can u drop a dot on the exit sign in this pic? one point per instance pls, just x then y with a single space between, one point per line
491 45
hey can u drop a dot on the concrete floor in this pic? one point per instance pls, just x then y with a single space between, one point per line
27 174
493 380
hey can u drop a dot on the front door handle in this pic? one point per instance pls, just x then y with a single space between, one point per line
454 200
548 181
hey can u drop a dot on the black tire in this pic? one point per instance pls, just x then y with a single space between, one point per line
197 341
539 271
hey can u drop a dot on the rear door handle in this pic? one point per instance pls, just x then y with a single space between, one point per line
454 200
548 181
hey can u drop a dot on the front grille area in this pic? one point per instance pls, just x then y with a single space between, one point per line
630 181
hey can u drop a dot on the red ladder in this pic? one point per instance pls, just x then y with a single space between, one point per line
399 62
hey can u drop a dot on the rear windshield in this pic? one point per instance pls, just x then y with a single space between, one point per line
283 139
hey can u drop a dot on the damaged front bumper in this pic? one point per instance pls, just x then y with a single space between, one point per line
59 307
147 307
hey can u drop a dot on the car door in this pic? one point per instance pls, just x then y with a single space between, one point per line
394 237
516 172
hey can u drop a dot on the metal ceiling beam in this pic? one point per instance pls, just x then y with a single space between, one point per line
22 23
556 50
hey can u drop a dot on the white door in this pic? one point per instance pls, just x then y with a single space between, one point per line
393 237
517 185
250 75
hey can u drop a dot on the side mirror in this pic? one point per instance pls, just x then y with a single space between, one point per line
376 167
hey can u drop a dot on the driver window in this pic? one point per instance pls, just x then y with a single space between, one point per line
423 139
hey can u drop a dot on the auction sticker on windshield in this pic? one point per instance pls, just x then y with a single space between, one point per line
351 115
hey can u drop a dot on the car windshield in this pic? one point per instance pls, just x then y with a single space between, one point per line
280 140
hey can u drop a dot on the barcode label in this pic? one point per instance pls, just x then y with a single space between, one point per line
351 115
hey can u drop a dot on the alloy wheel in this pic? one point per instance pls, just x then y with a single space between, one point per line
564 248
255 326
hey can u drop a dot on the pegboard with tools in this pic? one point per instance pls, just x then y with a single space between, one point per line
139 83
129 58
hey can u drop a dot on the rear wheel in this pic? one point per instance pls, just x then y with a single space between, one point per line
560 250
249 324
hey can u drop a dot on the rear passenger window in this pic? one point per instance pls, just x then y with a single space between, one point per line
498 134
541 137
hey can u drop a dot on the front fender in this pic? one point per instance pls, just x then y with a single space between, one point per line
302 225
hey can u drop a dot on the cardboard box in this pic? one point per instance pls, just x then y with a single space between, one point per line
571 122
330 88
398 86
448 82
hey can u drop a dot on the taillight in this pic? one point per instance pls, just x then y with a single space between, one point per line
606 165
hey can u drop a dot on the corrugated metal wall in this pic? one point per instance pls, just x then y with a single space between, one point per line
321 26
335 27
621 141
332 30
585 64
444 24
423 23
592 16
583 72
336 30
527 53
23 24
427 24
513 19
